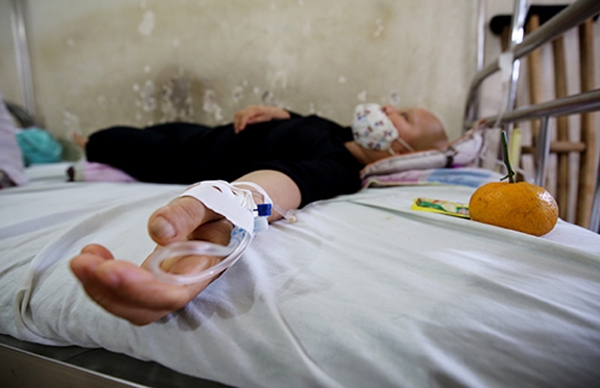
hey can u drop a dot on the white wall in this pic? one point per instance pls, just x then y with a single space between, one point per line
99 63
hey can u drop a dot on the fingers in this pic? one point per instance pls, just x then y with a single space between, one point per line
99 250
127 290
141 299
257 114
80 140
240 120
250 115
178 220
218 232
90 258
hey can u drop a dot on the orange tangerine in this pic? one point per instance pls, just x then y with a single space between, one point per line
521 206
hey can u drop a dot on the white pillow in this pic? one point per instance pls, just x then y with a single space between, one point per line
461 152
11 159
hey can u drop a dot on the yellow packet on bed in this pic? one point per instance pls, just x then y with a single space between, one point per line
441 206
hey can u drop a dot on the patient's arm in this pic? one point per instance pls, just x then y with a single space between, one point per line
132 292
257 114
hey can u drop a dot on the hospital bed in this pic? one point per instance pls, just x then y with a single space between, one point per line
360 291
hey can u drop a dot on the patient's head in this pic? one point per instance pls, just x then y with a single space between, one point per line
418 127
379 132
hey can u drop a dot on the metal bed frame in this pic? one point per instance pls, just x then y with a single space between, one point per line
521 45
26 364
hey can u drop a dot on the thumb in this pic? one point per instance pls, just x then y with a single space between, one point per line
179 219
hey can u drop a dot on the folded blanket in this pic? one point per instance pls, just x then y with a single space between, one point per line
466 176
459 153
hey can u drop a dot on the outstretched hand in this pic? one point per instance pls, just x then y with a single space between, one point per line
257 114
132 292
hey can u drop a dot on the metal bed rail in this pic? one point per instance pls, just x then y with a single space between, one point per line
22 55
570 17
580 103
585 102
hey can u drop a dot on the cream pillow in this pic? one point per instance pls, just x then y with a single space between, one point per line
461 152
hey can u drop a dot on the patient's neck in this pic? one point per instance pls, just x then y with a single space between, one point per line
363 155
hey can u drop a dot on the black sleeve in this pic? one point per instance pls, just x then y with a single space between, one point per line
315 158
294 115
321 179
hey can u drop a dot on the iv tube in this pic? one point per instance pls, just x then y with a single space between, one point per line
289 215
183 250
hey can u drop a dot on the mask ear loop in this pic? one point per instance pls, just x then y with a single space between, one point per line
404 144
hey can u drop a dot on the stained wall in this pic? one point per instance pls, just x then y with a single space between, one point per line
138 62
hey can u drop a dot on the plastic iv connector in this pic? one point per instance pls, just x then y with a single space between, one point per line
196 252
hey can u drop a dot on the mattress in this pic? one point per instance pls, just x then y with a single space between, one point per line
360 291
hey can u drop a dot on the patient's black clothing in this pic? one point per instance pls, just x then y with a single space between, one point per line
310 150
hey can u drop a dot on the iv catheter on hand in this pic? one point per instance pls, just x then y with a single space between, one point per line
195 260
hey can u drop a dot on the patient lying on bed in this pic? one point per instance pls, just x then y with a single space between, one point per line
268 154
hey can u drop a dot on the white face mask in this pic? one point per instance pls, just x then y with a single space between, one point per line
373 130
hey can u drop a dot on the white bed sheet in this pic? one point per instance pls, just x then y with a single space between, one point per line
361 291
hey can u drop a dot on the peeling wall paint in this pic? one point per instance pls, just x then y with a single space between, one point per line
146 26
139 62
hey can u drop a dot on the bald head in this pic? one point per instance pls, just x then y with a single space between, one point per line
418 127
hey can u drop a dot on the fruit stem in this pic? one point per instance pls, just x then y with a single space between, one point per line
511 174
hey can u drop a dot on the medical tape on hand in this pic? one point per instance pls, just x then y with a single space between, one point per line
260 190
233 203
